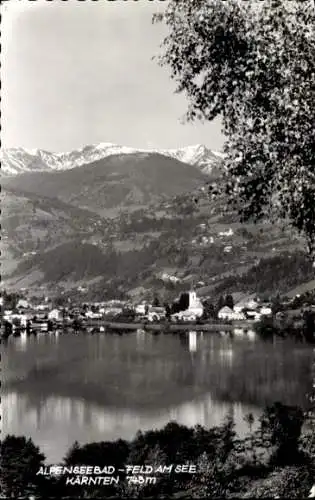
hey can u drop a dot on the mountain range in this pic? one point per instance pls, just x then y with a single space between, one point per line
15 161
114 183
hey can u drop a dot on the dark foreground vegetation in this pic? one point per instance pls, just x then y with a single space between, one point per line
276 459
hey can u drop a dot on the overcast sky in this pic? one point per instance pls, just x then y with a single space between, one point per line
77 73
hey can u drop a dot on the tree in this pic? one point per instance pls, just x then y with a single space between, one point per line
100 454
253 65
281 425
221 303
20 461
216 479
156 302
167 311
184 301
60 301
229 301
10 300
208 310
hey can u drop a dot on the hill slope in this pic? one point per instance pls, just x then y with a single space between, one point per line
31 224
115 182
141 250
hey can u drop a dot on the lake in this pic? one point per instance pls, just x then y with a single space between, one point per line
60 388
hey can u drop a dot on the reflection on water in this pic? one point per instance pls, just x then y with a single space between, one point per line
192 341
58 389
56 422
21 342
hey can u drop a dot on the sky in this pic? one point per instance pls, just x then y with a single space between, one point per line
77 73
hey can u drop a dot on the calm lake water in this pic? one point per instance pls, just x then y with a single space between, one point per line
58 389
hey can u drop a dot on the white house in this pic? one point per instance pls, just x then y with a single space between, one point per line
41 307
265 310
238 315
168 277
22 304
113 310
227 249
156 313
230 232
93 315
141 308
55 314
226 313
184 316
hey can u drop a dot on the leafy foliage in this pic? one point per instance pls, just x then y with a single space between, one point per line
253 64
286 482
20 461
10 300
282 425
104 453
101 454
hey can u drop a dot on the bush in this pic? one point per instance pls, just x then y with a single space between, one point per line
287 482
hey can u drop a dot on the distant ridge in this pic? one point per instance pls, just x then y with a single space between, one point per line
15 161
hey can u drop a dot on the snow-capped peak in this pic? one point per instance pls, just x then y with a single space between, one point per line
32 152
105 145
18 160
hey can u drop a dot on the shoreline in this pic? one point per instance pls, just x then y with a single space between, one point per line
110 326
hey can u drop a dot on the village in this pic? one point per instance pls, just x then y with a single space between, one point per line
188 310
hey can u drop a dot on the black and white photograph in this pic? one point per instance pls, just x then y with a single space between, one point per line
157 249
